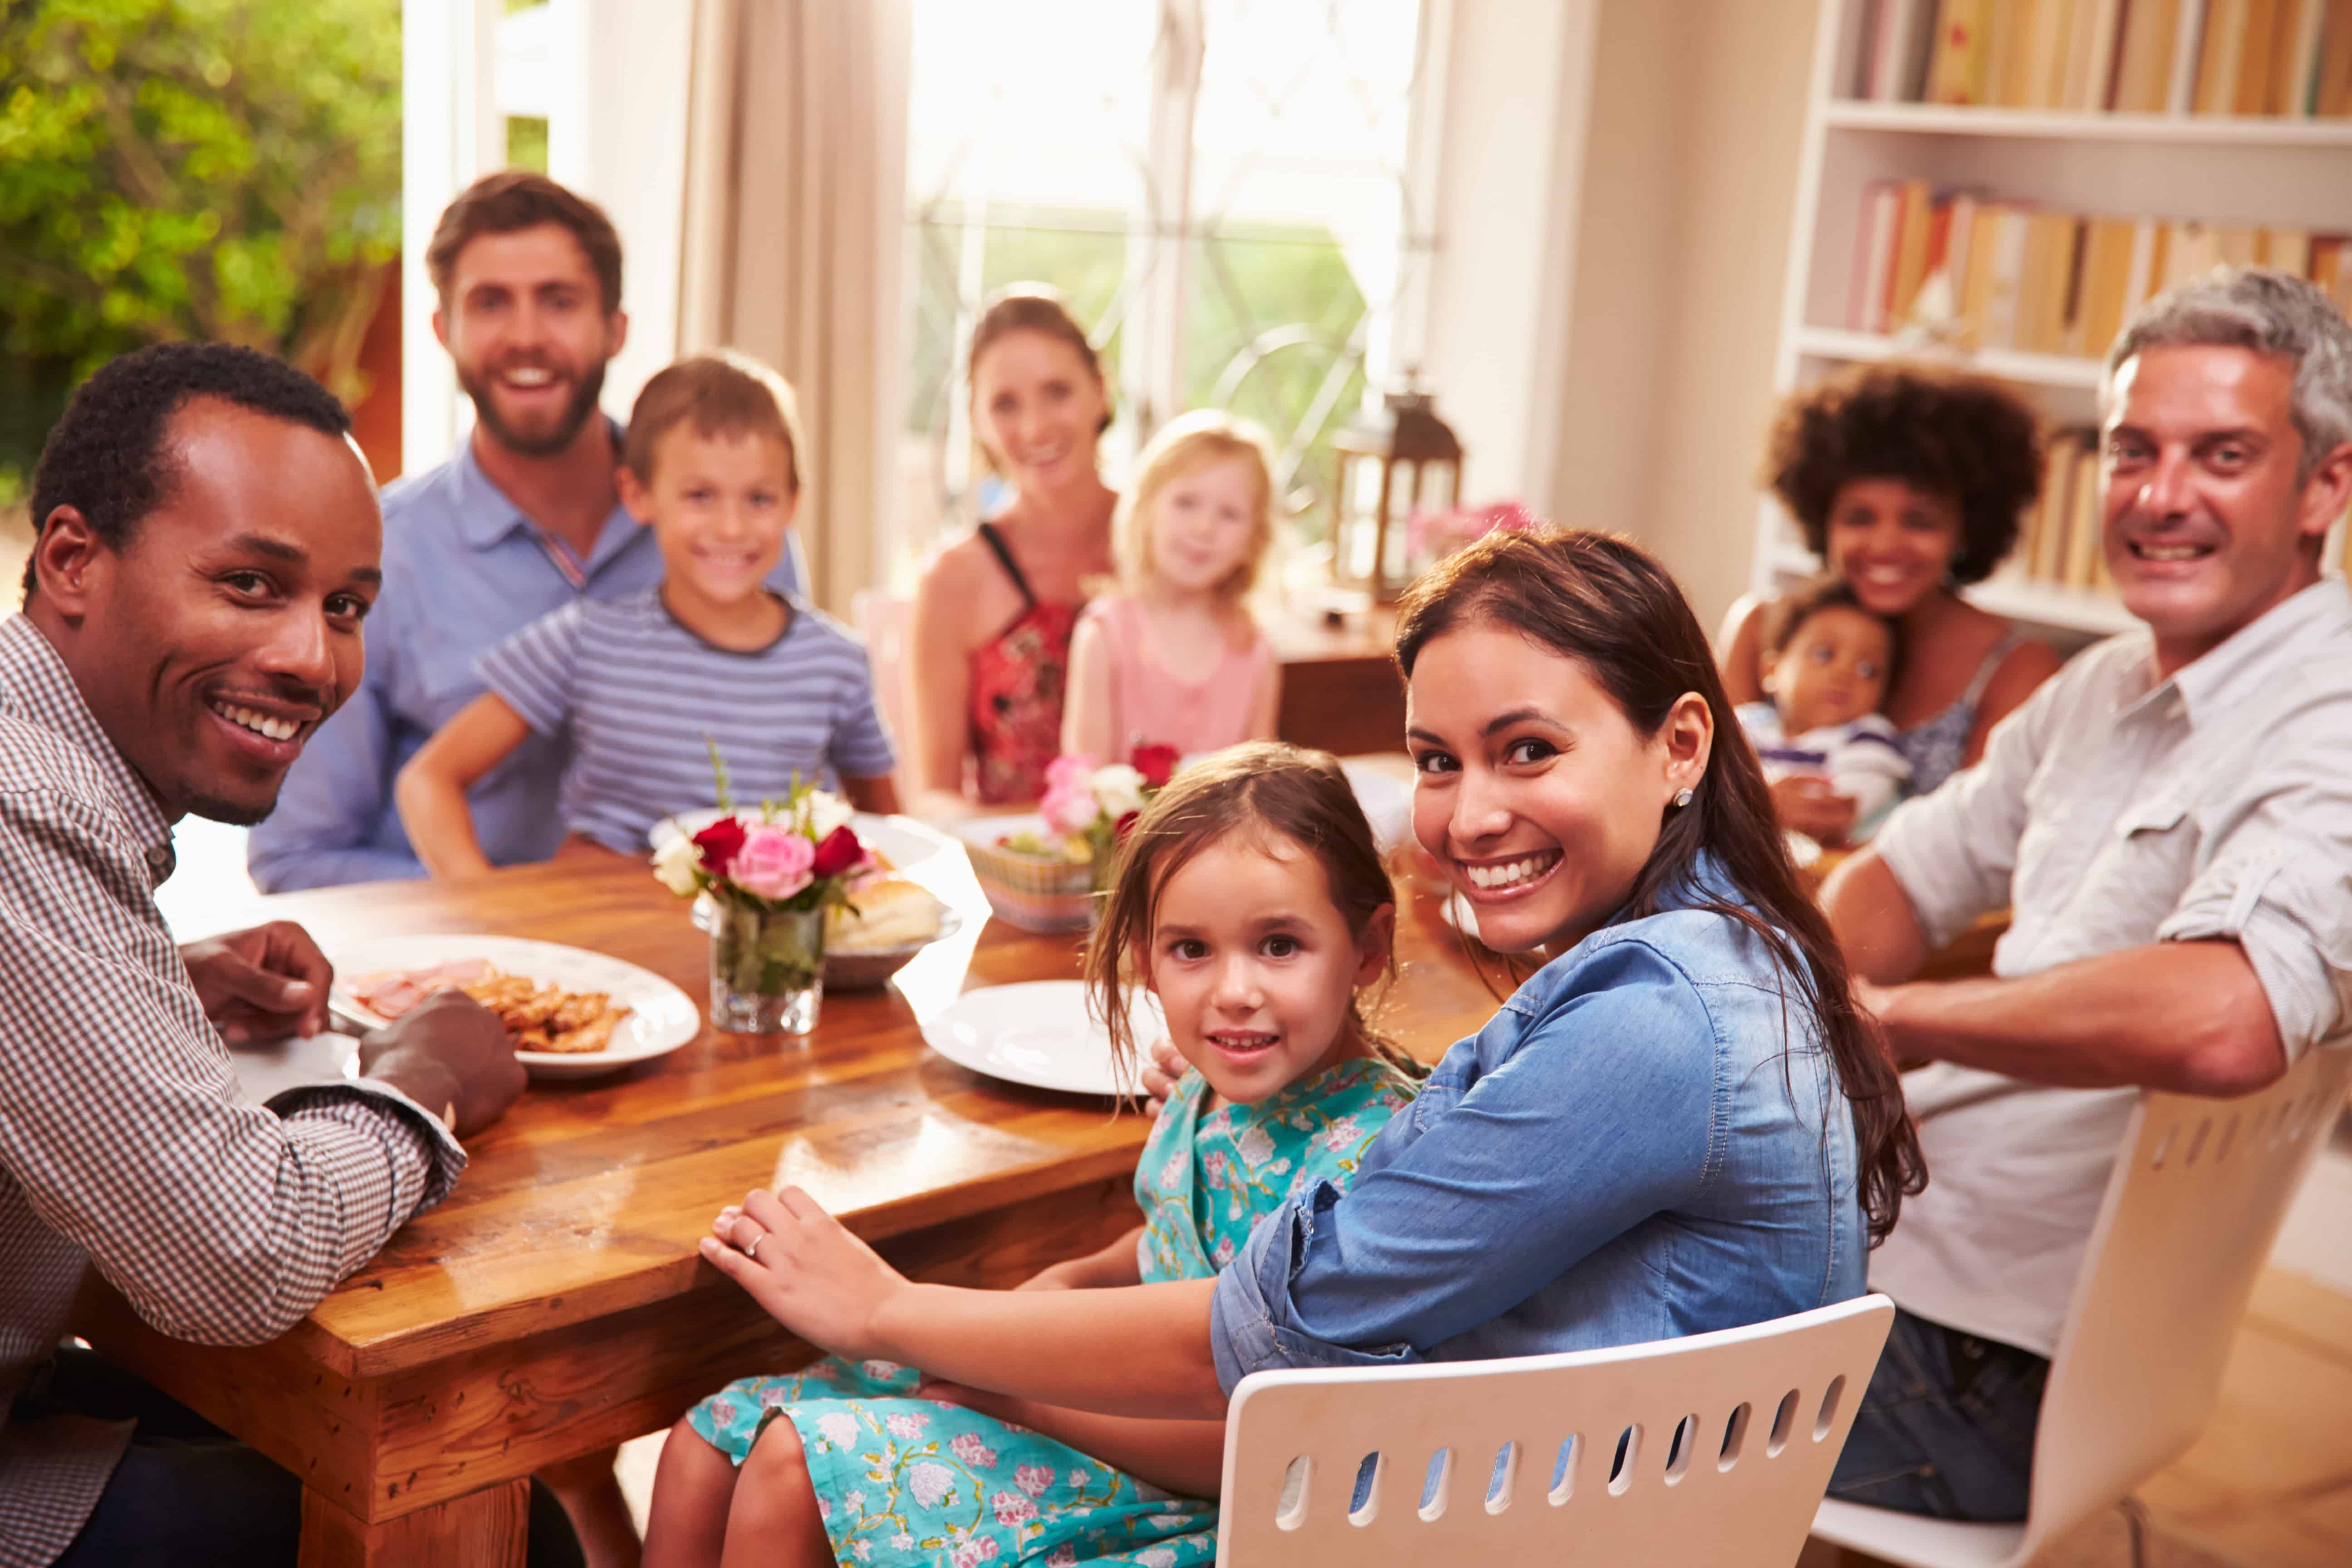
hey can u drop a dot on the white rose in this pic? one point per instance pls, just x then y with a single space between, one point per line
826 813
673 865
1119 789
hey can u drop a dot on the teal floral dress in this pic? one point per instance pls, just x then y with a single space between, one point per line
906 1480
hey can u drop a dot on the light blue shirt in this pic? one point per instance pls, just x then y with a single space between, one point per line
1630 1151
463 570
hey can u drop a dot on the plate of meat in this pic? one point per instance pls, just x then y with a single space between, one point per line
570 1013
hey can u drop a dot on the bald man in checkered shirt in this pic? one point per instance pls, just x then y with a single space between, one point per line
208 550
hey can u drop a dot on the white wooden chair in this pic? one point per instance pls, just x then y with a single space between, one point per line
2189 1215
1730 1440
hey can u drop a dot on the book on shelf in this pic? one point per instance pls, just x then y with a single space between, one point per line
2058 543
2029 280
2290 59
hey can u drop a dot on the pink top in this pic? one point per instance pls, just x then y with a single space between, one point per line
1150 704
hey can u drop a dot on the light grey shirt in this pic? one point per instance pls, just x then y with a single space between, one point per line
2113 810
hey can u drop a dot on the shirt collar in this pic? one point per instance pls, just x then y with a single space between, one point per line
2258 652
486 515
36 677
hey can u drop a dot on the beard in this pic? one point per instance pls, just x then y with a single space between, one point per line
575 413
235 812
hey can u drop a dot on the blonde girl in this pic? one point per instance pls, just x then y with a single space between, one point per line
1251 901
1175 659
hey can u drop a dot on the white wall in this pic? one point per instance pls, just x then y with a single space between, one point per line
1509 162
1681 243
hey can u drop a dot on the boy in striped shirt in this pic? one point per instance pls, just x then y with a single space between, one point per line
641 686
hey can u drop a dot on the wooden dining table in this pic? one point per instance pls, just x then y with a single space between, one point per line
554 1304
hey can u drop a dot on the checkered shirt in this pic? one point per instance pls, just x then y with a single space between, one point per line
124 1139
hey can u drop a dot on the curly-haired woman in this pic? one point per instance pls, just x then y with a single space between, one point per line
1909 485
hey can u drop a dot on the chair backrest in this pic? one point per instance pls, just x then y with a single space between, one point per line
2195 1201
1729 1439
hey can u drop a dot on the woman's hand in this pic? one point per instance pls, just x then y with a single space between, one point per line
805 1270
1814 809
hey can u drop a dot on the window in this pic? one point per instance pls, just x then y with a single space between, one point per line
1229 193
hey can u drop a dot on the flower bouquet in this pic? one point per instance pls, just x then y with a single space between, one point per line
772 872
1043 872
1432 536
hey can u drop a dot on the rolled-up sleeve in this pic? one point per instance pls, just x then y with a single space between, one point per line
1954 850
2275 876
1601 1119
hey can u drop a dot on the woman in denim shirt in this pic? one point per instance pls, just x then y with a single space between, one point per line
1676 1124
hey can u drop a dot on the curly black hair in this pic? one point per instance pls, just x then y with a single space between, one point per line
106 457
1961 437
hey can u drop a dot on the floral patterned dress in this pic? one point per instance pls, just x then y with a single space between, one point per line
902 1480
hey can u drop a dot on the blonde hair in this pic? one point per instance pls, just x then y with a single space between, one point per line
1268 789
723 393
1185 444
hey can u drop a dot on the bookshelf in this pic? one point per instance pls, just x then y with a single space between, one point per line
2238 172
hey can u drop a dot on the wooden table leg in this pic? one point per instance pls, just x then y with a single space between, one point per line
482 1530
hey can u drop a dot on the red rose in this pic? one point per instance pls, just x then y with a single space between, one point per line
719 844
1123 826
1155 762
839 851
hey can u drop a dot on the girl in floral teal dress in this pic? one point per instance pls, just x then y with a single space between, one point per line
1252 901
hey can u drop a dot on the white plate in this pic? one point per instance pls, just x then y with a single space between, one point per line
1037 1033
1456 912
661 1018
902 839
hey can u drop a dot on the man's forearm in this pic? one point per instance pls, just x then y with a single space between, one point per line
2187 1017
1137 1351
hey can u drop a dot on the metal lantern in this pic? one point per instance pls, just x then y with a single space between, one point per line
1394 461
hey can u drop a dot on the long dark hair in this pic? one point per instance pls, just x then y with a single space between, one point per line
1604 603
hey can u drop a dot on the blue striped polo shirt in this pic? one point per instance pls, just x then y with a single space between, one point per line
637 695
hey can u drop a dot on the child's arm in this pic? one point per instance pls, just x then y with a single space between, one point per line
1265 702
431 790
1116 1264
879 797
1088 725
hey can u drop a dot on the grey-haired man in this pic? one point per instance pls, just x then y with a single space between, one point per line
2169 820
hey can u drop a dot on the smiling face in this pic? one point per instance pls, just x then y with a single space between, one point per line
1039 409
719 506
2206 526
1532 788
1833 669
1205 525
526 324
228 626
1255 967
1894 544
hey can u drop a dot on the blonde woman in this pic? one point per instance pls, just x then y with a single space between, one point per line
1176 661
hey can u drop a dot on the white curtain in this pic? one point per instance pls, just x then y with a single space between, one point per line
795 206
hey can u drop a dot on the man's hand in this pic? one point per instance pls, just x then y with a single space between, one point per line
1162 1066
448 1051
262 983
1810 806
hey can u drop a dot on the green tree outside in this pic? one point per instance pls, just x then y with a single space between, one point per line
224 170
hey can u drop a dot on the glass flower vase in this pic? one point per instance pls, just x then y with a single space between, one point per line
767 969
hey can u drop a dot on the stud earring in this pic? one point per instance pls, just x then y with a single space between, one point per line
1682 797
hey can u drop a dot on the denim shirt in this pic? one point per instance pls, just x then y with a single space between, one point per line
463 570
1629 1151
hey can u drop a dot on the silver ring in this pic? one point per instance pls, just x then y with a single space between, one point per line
752 1251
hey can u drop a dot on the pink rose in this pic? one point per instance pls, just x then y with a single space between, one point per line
1070 768
1070 808
773 862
